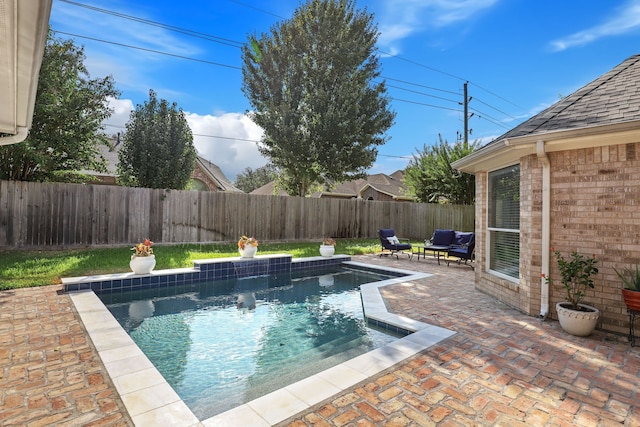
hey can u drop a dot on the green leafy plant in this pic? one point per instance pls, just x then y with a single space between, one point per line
630 278
576 274
142 249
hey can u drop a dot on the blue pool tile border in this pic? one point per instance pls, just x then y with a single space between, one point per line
227 268
203 270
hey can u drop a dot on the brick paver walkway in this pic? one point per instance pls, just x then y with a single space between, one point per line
50 373
502 368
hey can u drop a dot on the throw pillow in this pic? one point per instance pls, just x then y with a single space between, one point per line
393 240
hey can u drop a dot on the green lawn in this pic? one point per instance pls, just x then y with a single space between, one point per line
20 269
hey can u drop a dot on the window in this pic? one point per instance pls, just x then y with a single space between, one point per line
504 221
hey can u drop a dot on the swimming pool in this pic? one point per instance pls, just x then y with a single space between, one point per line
149 398
224 343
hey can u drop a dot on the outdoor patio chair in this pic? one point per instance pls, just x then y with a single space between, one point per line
463 248
393 244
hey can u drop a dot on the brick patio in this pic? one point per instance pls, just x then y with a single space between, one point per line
502 367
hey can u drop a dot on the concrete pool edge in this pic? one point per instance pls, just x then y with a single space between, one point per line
150 400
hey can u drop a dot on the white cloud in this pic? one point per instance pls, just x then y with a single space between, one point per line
626 19
121 111
230 141
401 19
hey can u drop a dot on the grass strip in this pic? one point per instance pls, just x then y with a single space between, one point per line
20 269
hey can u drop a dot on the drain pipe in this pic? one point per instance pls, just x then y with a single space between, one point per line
546 227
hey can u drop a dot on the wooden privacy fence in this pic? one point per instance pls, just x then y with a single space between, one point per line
66 215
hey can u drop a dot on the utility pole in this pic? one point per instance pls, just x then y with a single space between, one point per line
466 114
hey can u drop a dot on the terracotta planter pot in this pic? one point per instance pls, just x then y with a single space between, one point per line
631 299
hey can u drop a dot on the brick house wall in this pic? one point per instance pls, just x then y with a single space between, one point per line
200 175
595 210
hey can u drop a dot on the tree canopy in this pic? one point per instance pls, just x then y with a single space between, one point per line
313 83
66 132
431 179
157 149
250 179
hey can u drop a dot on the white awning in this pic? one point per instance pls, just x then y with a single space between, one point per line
23 35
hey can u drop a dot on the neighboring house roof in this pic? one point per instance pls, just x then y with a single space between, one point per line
603 112
212 171
269 189
217 175
390 185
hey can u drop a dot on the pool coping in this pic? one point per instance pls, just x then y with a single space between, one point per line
150 400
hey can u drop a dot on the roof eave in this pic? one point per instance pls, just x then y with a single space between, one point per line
26 23
508 151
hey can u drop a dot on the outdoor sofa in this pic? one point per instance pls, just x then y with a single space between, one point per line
458 246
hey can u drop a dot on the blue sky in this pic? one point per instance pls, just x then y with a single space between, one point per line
518 57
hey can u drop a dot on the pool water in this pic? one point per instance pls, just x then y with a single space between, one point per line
225 343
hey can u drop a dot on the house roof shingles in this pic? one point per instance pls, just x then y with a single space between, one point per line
612 98
216 173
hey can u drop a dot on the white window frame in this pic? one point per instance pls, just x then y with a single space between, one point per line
490 229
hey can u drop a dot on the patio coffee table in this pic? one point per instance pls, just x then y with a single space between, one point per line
418 250
437 250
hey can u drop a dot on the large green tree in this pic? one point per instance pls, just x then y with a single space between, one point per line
157 149
431 179
313 84
66 132
250 179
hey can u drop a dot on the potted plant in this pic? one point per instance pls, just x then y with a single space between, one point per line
576 275
247 246
631 291
328 247
143 260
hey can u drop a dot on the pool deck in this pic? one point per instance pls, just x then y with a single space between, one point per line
499 368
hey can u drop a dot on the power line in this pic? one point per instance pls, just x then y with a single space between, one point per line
494 108
422 93
209 37
487 117
427 105
149 50
245 140
232 66
496 95
197 134
237 44
250 6
420 85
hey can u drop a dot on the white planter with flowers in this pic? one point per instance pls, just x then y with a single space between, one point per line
143 261
328 247
247 246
